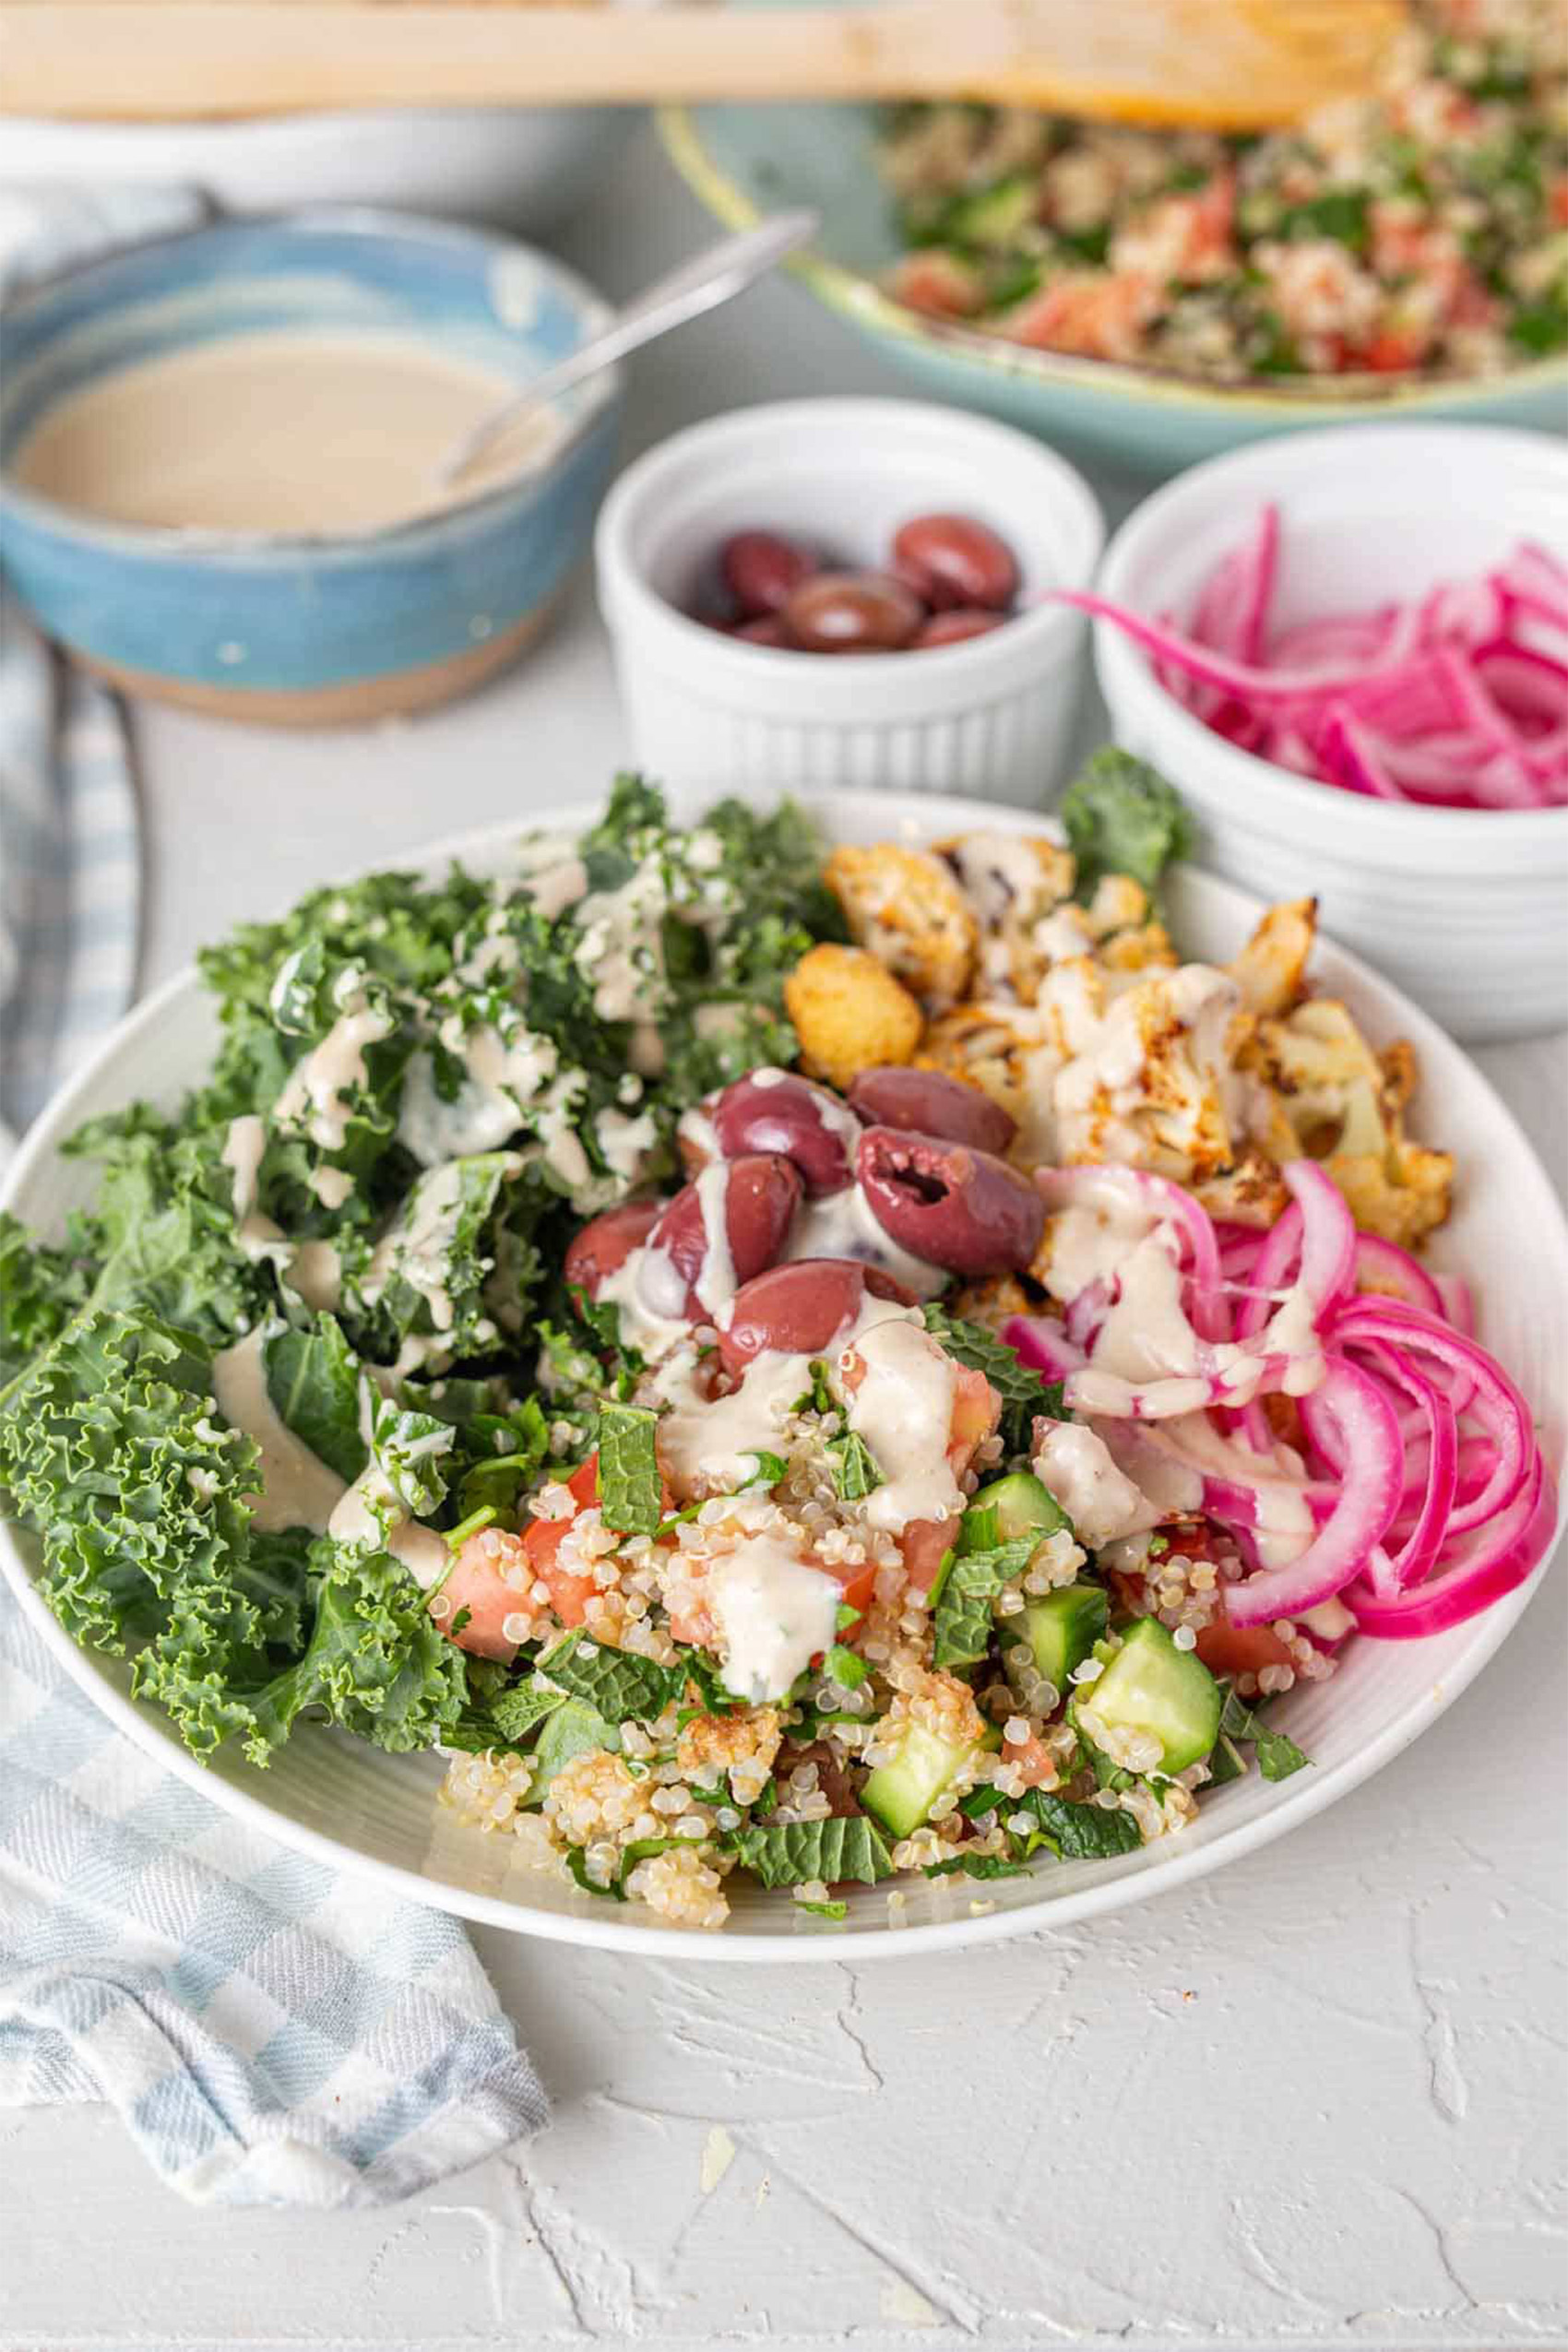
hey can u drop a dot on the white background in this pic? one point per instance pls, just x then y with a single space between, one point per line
1318 2101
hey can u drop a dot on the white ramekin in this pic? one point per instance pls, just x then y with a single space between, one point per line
990 718
1465 910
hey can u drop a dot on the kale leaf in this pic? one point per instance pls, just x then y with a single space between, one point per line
1123 817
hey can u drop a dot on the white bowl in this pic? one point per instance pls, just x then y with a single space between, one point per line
991 716
513 167
344 1803
1464 908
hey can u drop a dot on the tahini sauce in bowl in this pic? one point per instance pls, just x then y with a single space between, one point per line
285 432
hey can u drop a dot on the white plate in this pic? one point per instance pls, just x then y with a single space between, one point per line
343 1802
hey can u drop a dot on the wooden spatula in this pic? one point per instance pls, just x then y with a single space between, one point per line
1240 65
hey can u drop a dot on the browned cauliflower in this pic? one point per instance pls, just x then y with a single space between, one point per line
849 1012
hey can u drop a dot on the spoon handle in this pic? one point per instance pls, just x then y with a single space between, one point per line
701 284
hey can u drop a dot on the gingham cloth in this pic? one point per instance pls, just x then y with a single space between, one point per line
70 869
271 2031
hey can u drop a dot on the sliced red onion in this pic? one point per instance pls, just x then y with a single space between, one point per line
1475 1571
1043 1345
1494 1400
1384 1270
1449 698
1373 1480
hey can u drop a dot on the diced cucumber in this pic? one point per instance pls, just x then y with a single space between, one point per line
1008 1508
572 1731
1062 1629
902 1793
1152 1686
996 215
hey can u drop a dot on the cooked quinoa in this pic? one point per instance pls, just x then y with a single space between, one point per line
1424 229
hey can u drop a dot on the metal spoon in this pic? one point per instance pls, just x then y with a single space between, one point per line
700 284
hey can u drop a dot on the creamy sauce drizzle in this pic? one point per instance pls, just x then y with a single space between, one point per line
276 433
774 1614
316 1093
297 1488
902 1407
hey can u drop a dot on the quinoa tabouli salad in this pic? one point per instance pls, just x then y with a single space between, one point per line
779 1366
1423 230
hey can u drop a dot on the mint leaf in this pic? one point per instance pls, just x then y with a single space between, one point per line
963 1622
519 1711
855 1473
790 1853
1023 1393
975 1866
629 1493
771 1468
574 1730
1278 1756
620 1685
577 1866
1075 1833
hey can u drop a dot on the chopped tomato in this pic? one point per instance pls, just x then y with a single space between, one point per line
1034 1761
477 1584
924 1544
1392 350
569 1593
1235 1649
939 284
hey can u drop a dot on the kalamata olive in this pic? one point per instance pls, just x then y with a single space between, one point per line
953 560
800 1307
602 1247
952 628
853 612
962 1209
774 1110
927 1102
767 629
756 1198
759 569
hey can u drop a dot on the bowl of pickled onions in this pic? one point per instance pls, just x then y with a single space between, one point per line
1350 651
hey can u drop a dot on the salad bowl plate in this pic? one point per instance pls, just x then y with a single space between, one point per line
346 1804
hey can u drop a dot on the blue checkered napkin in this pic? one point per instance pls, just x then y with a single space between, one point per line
70 874
271 2032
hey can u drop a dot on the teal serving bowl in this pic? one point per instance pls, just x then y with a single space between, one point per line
298 629
744 161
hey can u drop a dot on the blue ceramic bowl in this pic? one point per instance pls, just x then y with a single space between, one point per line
743 160
301 630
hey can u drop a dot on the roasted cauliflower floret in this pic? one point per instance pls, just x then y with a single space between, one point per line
1344 1106
849 1014
1271 969
1252 1193
1152 1082
999 1049
1010 881
904 906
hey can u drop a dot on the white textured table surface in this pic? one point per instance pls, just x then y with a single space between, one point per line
1319 2101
